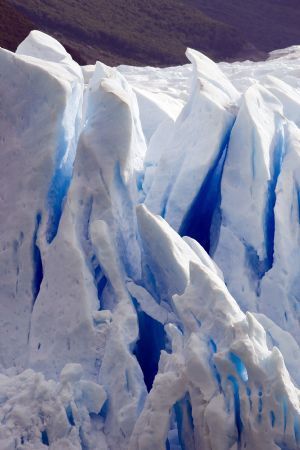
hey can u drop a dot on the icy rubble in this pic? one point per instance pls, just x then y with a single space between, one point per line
36 413
115 331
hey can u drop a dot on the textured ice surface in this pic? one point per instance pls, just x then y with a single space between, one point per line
39 119
219 374
64 414
179 172
149 253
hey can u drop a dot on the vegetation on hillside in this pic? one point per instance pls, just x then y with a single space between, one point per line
14 26
155 32
267 24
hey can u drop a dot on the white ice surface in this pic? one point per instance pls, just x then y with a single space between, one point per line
39 116
220 369
196 141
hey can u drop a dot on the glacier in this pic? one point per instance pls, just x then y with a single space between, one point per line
150 269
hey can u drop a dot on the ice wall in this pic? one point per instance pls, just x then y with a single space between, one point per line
39 117
149 257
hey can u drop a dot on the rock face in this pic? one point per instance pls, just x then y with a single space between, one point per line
149 265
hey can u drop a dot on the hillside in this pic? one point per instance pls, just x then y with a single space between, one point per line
157 32
14 26
133 32
267 24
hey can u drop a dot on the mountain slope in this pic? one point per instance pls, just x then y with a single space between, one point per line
267 24
14 26
156 32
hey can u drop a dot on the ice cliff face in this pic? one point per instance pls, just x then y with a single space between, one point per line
149 253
